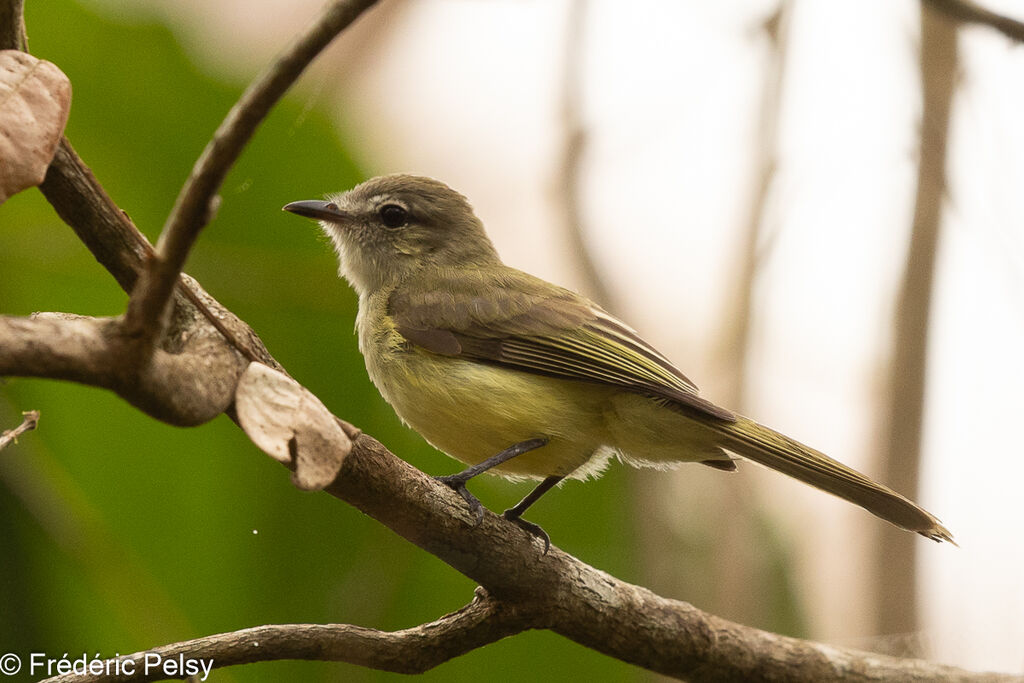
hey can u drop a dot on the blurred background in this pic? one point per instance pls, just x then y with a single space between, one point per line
813 208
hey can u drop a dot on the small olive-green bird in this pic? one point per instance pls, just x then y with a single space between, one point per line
506 372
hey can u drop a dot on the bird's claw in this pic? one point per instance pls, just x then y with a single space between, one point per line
529 527
458 484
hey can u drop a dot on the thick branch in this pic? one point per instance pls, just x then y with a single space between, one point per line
412 650
190 386
8 436
195 203
968 12
586 605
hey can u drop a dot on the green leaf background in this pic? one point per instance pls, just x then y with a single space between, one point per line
119 533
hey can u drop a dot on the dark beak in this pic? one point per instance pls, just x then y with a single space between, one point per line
323 211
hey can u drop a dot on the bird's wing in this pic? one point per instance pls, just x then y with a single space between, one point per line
514 320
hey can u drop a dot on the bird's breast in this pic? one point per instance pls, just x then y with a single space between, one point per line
471 410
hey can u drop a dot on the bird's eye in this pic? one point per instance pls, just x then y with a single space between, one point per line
393 216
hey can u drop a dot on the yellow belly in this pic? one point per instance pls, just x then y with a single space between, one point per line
473 411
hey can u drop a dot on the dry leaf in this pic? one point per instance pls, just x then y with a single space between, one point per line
35 97
287 421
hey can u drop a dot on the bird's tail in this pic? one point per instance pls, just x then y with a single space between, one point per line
778 452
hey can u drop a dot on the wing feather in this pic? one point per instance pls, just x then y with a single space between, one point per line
517 321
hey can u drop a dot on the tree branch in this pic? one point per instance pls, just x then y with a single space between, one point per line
584 604
968 12
895 558
527 589
574 143
188 387
12 25
8 436
741 567
410 651
195 204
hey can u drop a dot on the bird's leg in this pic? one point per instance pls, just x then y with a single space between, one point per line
514 514
457 482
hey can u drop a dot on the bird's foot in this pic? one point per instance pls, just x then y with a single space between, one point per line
529 527
457 483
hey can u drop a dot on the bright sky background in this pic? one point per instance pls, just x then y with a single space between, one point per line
468 92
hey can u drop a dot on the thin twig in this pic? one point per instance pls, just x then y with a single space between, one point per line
31 419
119 246
12 25
195 203
970 13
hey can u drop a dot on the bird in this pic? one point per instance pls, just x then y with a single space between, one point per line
516 376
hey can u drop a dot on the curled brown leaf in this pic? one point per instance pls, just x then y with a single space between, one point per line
35 97
291 425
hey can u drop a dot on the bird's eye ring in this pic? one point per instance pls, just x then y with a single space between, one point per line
393 216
